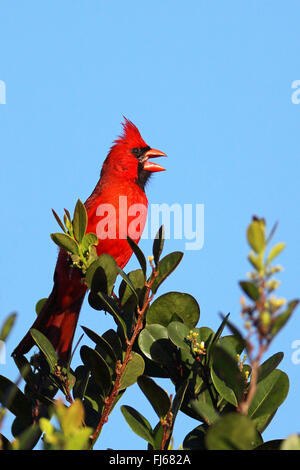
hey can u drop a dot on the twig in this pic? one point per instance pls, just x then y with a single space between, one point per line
244 405
109 401
264 341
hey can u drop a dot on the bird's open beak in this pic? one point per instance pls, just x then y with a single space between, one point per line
150 166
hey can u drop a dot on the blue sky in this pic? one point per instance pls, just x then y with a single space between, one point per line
209 83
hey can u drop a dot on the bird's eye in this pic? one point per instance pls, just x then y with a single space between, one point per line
136 152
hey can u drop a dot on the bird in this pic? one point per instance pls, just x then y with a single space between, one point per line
124 174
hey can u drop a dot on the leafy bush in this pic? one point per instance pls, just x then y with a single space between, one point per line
219 380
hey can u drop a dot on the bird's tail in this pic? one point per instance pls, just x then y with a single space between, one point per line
57 320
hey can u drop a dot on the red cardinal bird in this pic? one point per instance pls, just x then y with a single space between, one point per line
125 172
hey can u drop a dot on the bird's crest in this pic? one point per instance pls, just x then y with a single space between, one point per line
131 135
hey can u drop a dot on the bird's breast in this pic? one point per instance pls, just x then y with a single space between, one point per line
116 212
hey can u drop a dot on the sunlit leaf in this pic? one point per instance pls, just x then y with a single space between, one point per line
173 306
7 326
283 317
79 221
65 242
275 251
256 236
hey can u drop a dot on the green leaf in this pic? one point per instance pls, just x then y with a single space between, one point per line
172 306
46 347
79 440
39 305
92 334
158 244
220 329
263 421
158 397
250 289
154 337
82 374
226 375
98 367
205 411
65 242
195 439
291 443
158 435
178 399
178 332
138 423
275 251
155 344
233 431
101 274
129 283
137 278
200 390
4 443
89 239
270 394
115 342
154 369
269 365
223 389
236 332
94 400
7 326
233 344
111 307
283 317
256 236
28 439
205 334
68 215
15 401
134 368
102 347
25 370
270 445
71 418
166 266
256 261
138 253
80 220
